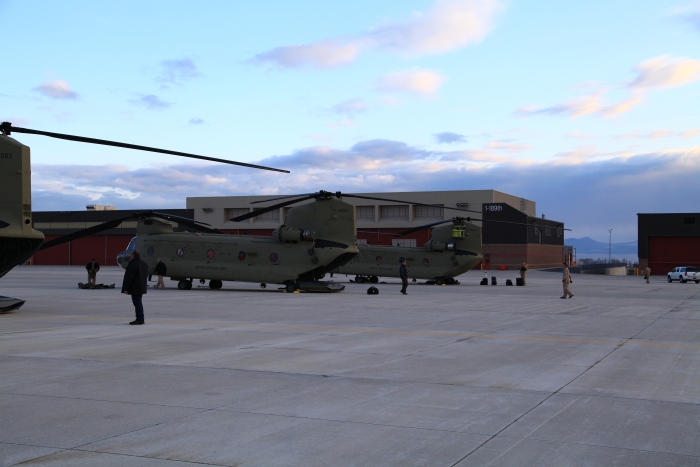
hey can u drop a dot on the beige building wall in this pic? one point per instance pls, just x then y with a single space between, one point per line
371 214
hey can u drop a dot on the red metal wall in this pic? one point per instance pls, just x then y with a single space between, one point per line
665 253
104 248
56 255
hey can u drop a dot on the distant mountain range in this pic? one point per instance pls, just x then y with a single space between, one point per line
586 247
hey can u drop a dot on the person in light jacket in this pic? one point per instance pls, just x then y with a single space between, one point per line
566 280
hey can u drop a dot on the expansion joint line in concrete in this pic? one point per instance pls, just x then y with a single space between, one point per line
629 339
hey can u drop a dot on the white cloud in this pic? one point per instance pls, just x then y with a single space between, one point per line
449 138
416 81
325 54
350 107
665 72
151 102
178 71
447 25
657 134
507 146
655 73
56 90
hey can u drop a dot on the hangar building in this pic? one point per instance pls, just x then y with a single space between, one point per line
512 234
668 240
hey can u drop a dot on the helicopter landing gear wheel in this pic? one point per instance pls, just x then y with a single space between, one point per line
415 280
263 285
184 284
439 282
360 279
374 279
290 287
215 284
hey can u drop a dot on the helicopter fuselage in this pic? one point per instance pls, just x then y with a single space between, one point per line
451 251
317 237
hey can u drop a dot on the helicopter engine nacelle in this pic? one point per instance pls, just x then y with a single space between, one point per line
434 245
291 235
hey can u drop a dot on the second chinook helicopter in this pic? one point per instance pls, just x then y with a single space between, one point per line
452 250
316 237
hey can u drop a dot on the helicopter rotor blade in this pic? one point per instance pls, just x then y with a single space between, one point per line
7 128
378 233
197 225
424 226
116 222
283 197
271 208
84 232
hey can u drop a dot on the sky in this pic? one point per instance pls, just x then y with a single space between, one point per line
591 109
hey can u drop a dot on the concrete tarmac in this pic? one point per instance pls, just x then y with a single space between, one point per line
463 375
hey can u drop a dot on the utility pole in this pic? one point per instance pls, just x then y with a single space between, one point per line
610 247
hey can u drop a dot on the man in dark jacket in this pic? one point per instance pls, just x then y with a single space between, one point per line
92 268
160 271
403 273
135 284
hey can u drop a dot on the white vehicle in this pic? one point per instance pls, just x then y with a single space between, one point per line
684 274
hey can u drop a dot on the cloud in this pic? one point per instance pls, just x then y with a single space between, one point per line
449 138
447 25
178 71
56 90
579 134
656 134
350 108
151 102
594 104
507 146
327 54
195 121
656 73
607 195
665 72
416 81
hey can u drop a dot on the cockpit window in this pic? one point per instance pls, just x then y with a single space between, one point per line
132 245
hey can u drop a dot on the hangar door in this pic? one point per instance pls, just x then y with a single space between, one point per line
665 253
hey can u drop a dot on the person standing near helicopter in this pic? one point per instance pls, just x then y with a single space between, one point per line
135 284
403 273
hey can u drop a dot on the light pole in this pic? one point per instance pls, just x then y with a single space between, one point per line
610 247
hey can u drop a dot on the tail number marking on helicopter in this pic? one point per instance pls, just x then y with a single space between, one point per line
5 155
493 207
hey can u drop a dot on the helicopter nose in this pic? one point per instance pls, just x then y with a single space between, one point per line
123 259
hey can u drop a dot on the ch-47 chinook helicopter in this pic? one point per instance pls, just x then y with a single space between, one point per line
453 249
315 238
18 240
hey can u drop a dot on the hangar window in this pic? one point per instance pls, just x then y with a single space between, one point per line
235 212
403 242
429 211
362 241
270 215
394 212
365 212
547 232
689 220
